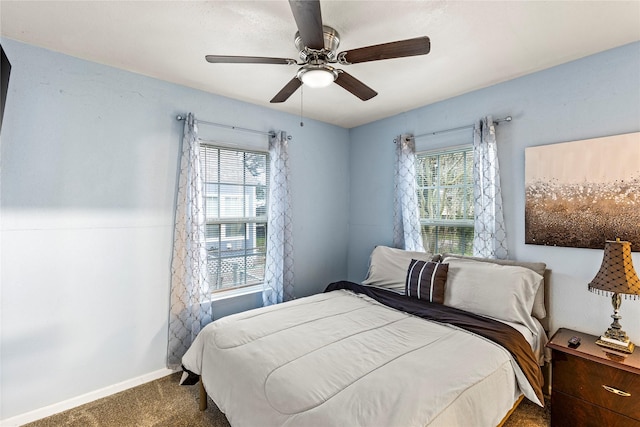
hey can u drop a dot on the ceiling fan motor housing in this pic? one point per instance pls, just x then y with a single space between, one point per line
328 54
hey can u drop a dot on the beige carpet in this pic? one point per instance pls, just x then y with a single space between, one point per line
164 403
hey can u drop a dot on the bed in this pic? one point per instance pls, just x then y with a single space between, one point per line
421 341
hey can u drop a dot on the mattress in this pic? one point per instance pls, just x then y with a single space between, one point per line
344 358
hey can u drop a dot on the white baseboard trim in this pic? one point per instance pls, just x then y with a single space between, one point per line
47 411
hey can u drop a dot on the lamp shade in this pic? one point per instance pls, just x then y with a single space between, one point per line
616 274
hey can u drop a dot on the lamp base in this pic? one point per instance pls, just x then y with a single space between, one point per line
613 344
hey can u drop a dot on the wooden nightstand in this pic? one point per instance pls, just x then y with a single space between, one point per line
593 386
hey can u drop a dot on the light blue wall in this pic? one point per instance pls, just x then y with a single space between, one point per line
592 97
89 171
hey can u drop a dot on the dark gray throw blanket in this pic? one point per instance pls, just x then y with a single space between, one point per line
498 332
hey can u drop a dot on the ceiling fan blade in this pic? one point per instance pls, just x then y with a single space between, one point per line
309 21
355 86
399 49
287 90
226 59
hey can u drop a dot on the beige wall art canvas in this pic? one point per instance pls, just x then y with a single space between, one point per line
582 193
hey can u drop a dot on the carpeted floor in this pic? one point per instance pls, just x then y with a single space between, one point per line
164 403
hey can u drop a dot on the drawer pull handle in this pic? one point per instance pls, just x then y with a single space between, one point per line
616 391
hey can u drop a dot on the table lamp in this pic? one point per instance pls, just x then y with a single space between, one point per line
616 276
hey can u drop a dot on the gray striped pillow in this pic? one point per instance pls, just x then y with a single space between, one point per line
426 280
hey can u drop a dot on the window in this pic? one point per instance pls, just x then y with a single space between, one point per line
445 200
236 190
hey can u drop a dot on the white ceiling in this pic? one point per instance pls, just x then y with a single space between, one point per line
474 44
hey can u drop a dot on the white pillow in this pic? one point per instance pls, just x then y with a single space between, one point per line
388 267
503 292
539 311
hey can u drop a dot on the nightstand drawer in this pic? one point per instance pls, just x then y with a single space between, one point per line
596 383
576 412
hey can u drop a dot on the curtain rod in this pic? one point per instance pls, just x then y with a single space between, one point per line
271 133
495 122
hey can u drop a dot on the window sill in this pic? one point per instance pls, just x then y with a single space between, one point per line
232 293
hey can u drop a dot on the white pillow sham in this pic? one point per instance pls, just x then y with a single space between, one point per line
502 292
388 267
539 311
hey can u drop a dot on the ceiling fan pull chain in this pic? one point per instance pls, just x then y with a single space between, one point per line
301 104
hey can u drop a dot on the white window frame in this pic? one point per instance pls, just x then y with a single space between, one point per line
440 222
221 221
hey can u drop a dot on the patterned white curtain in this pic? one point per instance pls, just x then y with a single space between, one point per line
490 237
278 277
406 216
190 306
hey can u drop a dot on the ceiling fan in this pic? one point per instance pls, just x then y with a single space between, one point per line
317 45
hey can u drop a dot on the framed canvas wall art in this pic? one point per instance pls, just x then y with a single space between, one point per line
582 193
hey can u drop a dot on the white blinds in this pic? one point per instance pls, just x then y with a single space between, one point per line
236 191
445 199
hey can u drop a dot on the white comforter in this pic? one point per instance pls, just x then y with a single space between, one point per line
340 359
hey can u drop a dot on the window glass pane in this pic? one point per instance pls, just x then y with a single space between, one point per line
231 201
256 251
454 203
233 230
445 200
212 237
231 166
255 168
212 201
250 202
261 194
427 170
232 271
255 268
452 170
261 237
468 164
429 202
469 200
450 239
236 196
209 156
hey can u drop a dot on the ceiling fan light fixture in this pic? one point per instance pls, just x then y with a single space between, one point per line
317 77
